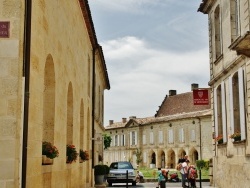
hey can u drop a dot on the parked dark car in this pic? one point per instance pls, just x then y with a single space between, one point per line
118 173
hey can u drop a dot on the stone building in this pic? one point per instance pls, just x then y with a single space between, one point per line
52 82
178 128
229 48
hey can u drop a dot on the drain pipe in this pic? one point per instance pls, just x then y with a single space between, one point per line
26 75
93 108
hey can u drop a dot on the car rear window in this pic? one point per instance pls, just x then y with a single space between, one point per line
121 165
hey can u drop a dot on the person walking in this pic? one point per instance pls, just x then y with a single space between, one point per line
192 175
184 171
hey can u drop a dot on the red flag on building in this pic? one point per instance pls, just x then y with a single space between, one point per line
200 96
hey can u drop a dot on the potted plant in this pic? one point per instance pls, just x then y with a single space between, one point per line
106 172
49 152
84 155
219 139
236 136
71 153
99 172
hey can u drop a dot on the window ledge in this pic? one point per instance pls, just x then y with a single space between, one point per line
239 142
241 45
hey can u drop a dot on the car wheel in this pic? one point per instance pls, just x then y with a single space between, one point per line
110 184
134 183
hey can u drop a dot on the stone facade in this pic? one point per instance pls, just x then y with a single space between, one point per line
179 128
229 34
53 77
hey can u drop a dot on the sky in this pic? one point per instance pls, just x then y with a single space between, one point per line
150 47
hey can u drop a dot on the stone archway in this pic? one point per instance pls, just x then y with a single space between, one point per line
161 159
181 154
171 162
193 156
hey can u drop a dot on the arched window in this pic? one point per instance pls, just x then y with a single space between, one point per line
70 115
49 101
235 22
217 29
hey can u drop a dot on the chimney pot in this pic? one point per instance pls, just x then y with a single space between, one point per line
172 92
124 120
111 122
194 86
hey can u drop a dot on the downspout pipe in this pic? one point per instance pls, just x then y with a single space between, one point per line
26 75
93 107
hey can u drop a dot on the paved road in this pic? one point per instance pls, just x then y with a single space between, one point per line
153 184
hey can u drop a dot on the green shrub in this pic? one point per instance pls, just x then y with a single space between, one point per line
99 170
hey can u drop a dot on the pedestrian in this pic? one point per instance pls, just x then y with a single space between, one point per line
184 171
139 177
160 177
192 175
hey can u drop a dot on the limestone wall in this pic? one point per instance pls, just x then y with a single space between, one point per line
60 96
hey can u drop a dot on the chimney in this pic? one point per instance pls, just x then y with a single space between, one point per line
194 86
172 92
124 120
111 122
132 117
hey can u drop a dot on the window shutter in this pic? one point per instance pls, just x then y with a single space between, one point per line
135 137
215 113
231 108
224 125
192 135
130 138
118 140
144 139
242 104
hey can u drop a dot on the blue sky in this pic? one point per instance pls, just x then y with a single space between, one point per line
150 47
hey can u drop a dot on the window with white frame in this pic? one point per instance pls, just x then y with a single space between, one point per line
220 111
116 140
237 103
123 140
181 135
144 139
160 137
170 136
192 135
133 138
151 137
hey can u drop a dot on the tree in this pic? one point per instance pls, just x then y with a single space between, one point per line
138 154
107 140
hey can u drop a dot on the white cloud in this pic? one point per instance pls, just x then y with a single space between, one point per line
143 81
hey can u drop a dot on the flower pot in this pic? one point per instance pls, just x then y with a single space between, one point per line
236 139
99 179
46 160
220 141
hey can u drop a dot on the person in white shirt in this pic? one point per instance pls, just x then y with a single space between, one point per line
184 172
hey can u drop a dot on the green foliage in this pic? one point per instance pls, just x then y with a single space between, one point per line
99 170
107 141
106 169
138 154
71 153
200 164
84 155
49 150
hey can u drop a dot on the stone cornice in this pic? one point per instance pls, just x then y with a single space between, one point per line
206 6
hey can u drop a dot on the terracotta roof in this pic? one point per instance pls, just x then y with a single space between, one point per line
178 104
151 120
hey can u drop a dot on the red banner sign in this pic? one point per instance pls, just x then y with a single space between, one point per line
200 97
4 29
